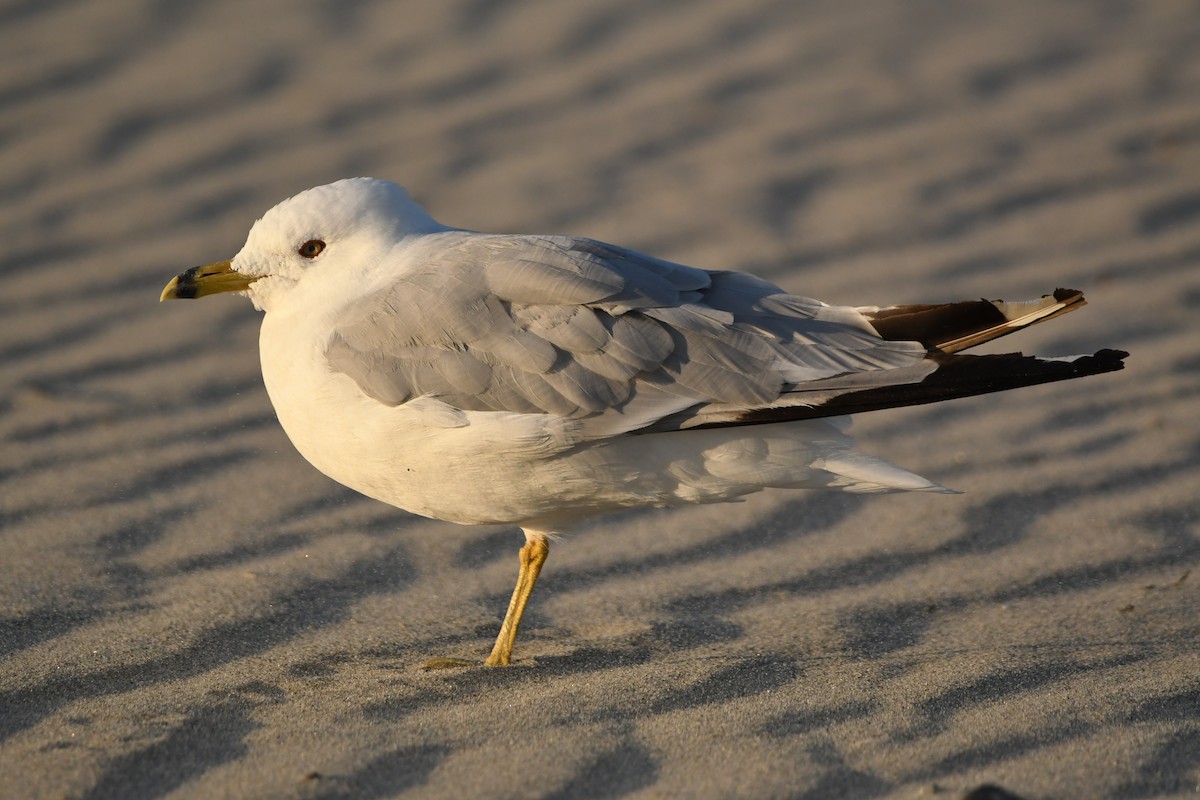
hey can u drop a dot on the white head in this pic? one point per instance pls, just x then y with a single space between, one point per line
337 231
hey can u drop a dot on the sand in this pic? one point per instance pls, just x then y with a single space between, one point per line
187 608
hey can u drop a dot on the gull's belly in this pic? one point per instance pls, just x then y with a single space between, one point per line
486 467
533 469
423 457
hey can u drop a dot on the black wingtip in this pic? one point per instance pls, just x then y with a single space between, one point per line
956 376
1102 361
1062 295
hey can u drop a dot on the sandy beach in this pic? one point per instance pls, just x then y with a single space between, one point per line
189 609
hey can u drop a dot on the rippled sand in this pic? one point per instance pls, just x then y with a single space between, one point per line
187 607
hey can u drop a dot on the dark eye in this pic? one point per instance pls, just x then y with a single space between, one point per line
312 248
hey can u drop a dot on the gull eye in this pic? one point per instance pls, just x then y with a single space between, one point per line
312 248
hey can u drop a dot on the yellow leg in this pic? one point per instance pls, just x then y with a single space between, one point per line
533 556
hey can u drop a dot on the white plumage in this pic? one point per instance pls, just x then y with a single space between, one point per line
542 380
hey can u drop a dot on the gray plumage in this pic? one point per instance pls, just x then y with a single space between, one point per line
577 328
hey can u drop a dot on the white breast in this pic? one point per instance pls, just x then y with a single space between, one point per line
532 469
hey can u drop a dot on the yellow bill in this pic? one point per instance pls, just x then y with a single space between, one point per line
205 280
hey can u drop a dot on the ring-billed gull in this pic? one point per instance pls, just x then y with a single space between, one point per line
543 380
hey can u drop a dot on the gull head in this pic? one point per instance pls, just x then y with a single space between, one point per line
324 239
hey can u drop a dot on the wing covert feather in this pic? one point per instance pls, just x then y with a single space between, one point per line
577 328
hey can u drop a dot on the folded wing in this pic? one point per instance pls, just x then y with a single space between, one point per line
576 328
584 330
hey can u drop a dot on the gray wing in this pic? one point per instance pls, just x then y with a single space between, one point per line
577 328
